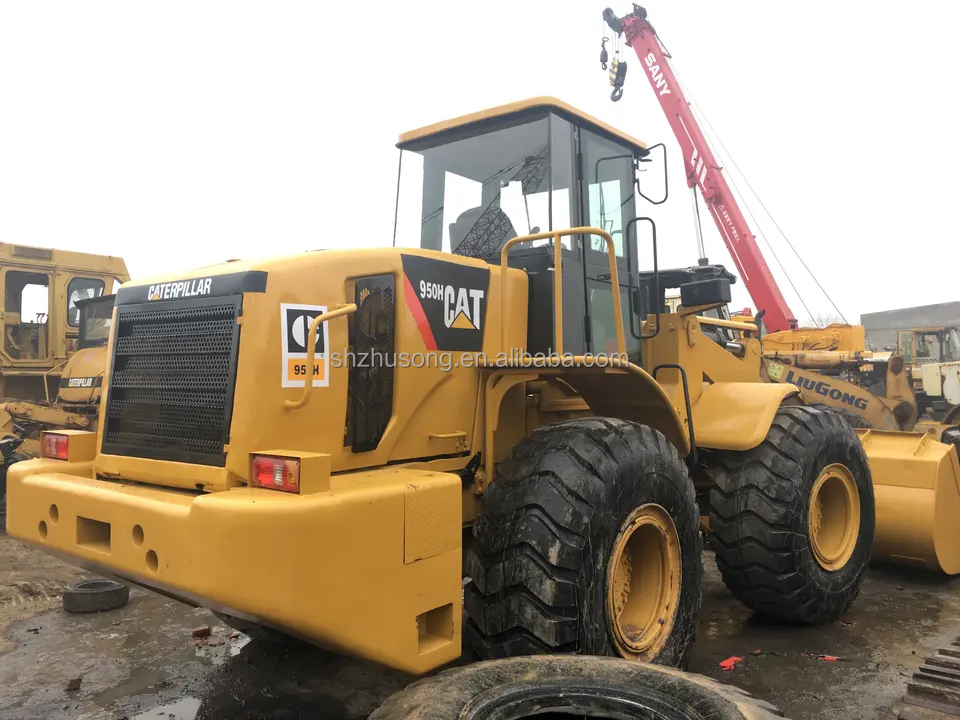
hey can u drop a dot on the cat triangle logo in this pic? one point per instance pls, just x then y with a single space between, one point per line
462 322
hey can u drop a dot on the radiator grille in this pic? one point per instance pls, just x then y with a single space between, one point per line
172 380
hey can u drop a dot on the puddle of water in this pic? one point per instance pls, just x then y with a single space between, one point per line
185 709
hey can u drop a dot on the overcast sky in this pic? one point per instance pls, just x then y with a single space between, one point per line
178 134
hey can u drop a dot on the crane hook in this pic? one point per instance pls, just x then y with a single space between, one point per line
618 73
603 53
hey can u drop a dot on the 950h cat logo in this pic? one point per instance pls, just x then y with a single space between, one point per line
295 323
448 302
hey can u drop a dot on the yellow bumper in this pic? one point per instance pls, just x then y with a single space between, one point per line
371 568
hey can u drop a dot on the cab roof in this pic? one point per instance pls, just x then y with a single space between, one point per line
42 258
531 106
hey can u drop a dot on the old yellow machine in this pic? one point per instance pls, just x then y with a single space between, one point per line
490 419
77 400
41 287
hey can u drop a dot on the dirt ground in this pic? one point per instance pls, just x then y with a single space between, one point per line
141 661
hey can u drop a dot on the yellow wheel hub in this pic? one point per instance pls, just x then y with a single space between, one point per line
643 582
834 520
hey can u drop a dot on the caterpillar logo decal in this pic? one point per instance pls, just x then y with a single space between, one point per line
182 289
294 328
448 302
81 382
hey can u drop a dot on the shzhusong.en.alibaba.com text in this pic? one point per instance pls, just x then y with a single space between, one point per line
447 361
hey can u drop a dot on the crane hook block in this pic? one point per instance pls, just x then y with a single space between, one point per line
603 54
618 73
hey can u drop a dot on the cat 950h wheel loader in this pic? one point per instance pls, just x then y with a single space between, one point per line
328 444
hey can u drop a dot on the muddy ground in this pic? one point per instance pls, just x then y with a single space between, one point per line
141 662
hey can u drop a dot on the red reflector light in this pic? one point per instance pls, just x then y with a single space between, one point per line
54 446
276 473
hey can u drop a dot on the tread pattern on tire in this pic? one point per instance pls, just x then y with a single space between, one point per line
530 560
856 421
758 519
449 694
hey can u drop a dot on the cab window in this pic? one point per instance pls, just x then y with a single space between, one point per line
26 306
609 173
907 348
81 289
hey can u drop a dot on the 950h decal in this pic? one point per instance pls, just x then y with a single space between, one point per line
448 302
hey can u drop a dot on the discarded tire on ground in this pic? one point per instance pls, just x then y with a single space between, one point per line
579 686
95 595
589 542
793 519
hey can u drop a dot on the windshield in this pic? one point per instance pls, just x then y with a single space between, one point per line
951 346
469 196
96 317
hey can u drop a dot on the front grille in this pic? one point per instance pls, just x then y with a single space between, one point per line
172 380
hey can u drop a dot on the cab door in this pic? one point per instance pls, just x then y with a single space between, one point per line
906 346
607 201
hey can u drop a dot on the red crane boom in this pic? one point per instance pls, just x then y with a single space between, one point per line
703 170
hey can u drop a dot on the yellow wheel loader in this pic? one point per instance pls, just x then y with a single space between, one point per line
43 291
81 377
41 319
491 419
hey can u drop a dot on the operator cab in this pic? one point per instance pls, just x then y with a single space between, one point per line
469 185
95 318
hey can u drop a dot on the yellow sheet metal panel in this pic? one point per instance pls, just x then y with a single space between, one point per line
269 554
431 498
578 116
434 393
917 486
737 415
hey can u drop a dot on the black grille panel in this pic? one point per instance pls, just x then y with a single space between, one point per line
172 380
370 382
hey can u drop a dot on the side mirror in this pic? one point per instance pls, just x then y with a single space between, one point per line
666 182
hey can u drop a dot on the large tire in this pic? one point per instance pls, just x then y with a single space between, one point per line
16 457
557 548
855 421
579 686
774 554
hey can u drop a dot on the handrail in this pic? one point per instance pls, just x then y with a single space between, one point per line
312 351
556 235
731 324
46 388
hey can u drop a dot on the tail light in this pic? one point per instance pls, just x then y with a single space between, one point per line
276 473
54 446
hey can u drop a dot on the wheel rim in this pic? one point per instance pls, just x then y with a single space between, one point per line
643 582
834 519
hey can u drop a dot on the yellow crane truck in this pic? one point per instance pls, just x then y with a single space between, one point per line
489 419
